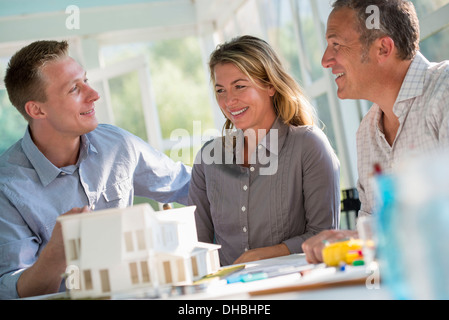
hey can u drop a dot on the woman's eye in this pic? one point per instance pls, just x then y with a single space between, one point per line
73 89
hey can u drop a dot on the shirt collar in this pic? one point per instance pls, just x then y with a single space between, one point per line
46 171
278 127
413 85
281 129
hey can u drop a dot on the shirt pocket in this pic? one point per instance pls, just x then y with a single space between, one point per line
118 195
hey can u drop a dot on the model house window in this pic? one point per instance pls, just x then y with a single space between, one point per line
104 278
164 235
140 240
128 241
134 273
88 279
181 270
195 266
213 258
145 271
167 272
73 249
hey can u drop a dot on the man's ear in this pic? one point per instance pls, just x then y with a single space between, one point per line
34 110
385 48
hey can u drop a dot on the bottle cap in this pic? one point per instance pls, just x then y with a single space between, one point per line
358 263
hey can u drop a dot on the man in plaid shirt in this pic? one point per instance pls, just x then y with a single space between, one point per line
410 95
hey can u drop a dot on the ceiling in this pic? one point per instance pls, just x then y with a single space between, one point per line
111 21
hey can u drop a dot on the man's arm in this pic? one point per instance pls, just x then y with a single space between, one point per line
263 253
157 176
44 276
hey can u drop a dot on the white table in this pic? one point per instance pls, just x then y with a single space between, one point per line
321 284
354 283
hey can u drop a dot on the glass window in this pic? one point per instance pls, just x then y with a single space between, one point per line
310 40
248 19
281 34
127 104
12 124
230 30
321 103
179 84
436 47
424 7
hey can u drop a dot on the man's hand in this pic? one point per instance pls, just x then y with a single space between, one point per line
44 276
313 246
263 253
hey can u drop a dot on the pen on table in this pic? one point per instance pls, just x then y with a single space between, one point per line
247 277
221 274
261 275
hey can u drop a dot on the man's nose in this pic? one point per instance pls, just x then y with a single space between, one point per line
92 93
328 59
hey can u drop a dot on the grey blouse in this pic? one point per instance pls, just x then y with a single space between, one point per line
290 192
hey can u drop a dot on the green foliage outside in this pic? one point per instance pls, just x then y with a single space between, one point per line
180 85
127 105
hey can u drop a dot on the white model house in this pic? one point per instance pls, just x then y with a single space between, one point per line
118 251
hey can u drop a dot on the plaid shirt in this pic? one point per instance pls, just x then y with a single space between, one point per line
422 107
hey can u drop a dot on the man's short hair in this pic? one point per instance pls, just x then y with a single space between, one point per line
23 79
398 20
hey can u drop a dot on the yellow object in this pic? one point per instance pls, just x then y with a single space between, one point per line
342 252
223 272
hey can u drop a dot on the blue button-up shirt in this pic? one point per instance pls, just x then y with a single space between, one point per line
113 166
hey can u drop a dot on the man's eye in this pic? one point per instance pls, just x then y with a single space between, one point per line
73 89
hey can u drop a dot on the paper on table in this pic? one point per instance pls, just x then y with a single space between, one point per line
321 278
276 267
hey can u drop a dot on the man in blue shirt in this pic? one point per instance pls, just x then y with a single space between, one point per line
66 163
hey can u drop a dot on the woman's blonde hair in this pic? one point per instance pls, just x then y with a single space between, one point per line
258 61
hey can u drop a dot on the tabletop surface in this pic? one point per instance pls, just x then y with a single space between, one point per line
313 282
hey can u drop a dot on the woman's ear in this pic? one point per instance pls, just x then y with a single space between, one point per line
271 90
34 110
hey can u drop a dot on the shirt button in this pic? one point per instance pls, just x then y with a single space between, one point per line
246 249
243 208
260 146
252 169
244 229
92 207
245 187
63 173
